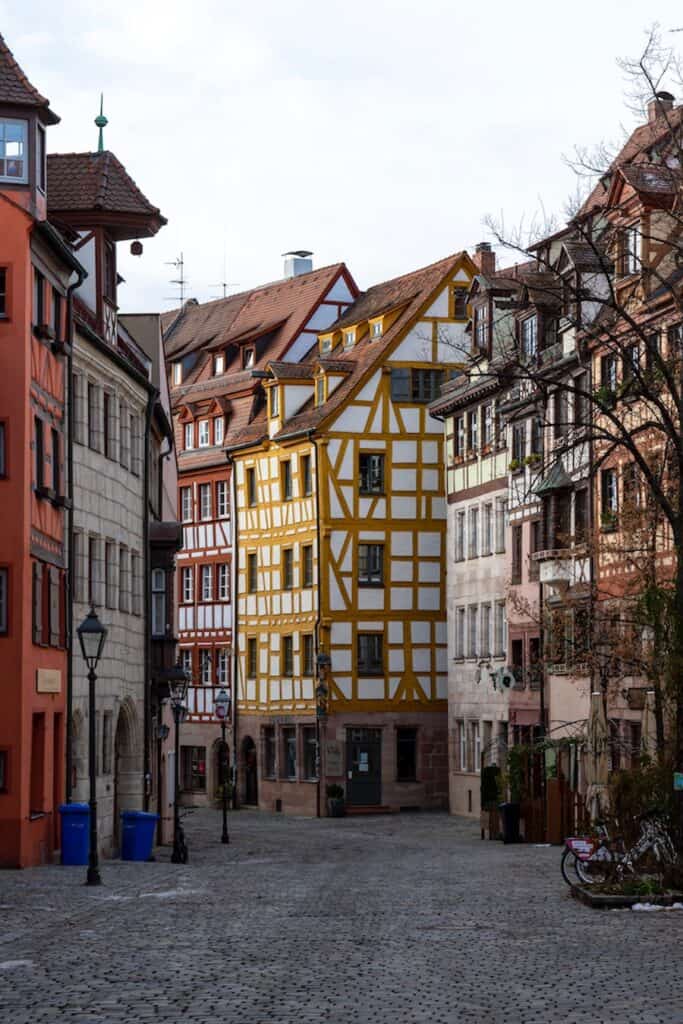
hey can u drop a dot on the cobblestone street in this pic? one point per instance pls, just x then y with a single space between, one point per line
387 919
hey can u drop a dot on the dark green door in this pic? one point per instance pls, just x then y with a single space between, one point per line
364 767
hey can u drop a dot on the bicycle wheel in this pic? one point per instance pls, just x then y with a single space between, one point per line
593 871
568 866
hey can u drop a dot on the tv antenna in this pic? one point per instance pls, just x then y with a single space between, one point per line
180 280
224 285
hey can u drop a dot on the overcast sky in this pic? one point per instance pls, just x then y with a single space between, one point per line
378 132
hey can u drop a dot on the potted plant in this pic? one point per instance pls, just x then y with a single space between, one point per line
335 800
514 465
532 459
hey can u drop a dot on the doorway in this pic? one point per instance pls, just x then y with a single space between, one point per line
364 767
250 771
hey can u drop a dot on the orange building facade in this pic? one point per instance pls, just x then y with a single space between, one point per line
36 268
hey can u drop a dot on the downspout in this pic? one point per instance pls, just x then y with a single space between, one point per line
317 621
233 596
69 603
147 617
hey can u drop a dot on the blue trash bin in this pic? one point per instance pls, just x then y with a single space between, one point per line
75 833
137 834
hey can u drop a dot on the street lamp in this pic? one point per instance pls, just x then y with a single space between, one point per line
177 689
91 636
222 703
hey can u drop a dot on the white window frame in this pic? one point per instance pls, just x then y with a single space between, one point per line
221 667
460 632
222 507
472 630
158 603
218 429
349 339
207 582
205 667
223 582
204 434
377 329
460 535
218 365
189 437
462 746
473 544
10 178
204 502
186 504
187 581
177 374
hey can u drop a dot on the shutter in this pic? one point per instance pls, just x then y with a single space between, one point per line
37 603
54 607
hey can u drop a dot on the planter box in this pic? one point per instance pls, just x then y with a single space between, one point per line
602 901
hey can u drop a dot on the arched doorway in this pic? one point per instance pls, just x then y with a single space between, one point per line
250 771
128 782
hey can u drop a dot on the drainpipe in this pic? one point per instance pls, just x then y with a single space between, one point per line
69 605
317 621
147 608
233 595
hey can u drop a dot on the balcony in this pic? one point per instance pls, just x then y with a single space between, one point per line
562 567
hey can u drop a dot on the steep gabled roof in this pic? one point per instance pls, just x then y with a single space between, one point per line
86 183
16 89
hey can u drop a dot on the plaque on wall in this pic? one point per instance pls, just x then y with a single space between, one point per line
333 758
48 680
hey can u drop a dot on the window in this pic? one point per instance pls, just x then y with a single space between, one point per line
4 760
406 751
207 582
581 515
462 746
94 423
218 429
37 595
252 657
485 631
460 436
110 574
54 607
535 544
109 423
288 656
307 565
460 304
501 524
349 339
203 427
516 575
488 420
326 344
517 659
518 443
487 538
581 401
481 327
177 374
560 418
124 580
320 391
94 572
500 629
136 583
610 498
269 751
222 510
187 579
3 292
252 573
286 480
412 385
310 745
370 564
124 435
608 372
248 358
475 746
369 654
289 750
205 675
473 430
39 453
224 582
630 251
57 313
37 776
274 400
158 602
251 487
189 436
13 150
221 667
218 365
529 336
307 659
205 501
472 614
376 330
371 473
186 504
306 478
193 769
287 568
536 447
4 600
460 537
473 548
186 662
460 633
38 298
135 445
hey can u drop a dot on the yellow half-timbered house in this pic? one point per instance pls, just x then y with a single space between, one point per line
341 646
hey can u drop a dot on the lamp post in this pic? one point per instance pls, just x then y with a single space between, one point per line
91 636
177 690
222 703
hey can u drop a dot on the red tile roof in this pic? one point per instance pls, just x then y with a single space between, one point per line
79 183
16 89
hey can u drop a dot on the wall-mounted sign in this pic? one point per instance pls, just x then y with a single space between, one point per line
48 680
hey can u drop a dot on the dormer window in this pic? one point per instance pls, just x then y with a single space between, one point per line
274 401
630 260
204 440
320 391
248 358
326 344
218 365
177 374
13 150
349 339
218 430
189 436
376 330
481 327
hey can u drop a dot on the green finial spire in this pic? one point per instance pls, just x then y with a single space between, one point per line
101 123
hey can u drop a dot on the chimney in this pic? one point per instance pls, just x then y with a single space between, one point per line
485 258
660 104
298 262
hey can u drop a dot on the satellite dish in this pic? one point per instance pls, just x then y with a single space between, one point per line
506 678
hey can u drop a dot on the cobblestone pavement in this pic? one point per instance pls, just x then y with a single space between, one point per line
385 919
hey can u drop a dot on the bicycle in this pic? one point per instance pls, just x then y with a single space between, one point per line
180 852
597 859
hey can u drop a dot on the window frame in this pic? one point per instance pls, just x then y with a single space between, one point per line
25 155
159 595
222 502
369 662
203 433
371 482
371 574
186 503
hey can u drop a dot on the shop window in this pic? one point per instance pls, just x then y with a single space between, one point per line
406 755
310 746
193 769
269 752
289 752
